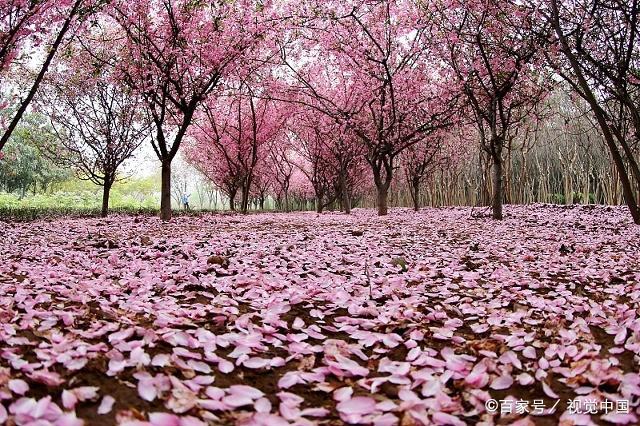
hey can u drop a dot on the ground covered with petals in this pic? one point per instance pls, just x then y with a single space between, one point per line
277 319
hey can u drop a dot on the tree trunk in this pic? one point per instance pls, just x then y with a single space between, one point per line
106 189
232 201
589 96
346 202
416 196
262 202
319 203
383 195
165 191
344 192
498 189
244 199
484 165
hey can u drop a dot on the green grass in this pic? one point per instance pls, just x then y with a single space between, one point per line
76 202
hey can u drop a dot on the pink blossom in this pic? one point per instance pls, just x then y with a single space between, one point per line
502 382
357 405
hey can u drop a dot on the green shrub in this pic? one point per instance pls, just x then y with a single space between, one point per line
557 198
23 213
82 202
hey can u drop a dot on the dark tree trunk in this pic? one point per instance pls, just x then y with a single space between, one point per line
498 189
262 202
244 200
232 200
415 194
382 181
106 189
319 203
165 191
383 196
344 192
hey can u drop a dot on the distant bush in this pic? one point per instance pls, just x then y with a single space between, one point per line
576 198
80 203
26 213
557 198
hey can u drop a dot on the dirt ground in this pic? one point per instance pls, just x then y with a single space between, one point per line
269 319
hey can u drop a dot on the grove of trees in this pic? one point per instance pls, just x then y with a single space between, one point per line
322 104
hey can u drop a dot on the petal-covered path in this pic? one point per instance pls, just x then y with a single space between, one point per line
278 319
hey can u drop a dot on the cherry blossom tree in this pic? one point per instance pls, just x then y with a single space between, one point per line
418 163
368 66
98 121
220 169
282 165
262 183
331 159
300 191
346 156
18 22
493 48
598 46
236 129
446 150
97 130
178 52
36 22
309 136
